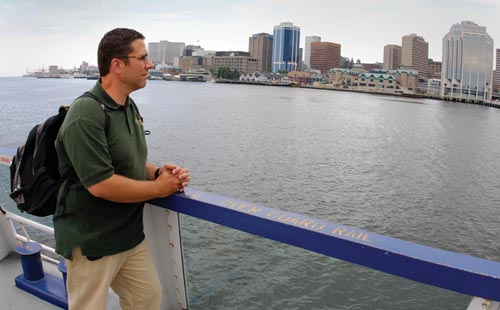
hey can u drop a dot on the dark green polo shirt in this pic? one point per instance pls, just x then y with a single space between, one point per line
100 227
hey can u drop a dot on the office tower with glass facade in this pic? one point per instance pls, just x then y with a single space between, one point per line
307 50
286 39
392 57
415 54
467 65
260 46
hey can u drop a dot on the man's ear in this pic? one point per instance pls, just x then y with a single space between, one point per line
116 66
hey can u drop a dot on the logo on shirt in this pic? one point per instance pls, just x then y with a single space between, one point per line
139 121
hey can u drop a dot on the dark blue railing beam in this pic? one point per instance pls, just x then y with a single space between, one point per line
453 271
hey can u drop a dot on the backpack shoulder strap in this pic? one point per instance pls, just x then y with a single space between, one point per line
88 94
70 174
136 109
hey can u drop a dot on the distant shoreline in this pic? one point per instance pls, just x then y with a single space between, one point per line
419 96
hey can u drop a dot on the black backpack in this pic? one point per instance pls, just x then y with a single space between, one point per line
34 172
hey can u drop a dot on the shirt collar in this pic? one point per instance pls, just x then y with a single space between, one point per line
105 98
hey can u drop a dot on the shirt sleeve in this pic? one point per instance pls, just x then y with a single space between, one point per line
85 142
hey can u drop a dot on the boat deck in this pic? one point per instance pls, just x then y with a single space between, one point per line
13 298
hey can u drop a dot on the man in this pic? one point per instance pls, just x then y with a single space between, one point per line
103 157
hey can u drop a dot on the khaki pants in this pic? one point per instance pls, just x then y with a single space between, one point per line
131 275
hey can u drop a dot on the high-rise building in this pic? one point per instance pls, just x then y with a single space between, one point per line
415 54
307 50
496 76
300 65
154 52
171 50
392 57
325 56
286 39
165 51
467 65
260 46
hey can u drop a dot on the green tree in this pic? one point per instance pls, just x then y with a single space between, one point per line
227 73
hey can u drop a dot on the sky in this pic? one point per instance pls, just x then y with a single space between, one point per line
39 33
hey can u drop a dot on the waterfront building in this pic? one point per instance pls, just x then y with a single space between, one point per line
286 39
192 63
408 80
168 70
53 71
265 78
302 77
434 71
358 67
196 75
467 63
433 86
392 57
325 56
165 51
254 77
83 67
342 77
307 50
209 56
415 54
235 60
378 81
496 74
260 46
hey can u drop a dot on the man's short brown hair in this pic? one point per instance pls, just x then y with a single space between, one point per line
115 44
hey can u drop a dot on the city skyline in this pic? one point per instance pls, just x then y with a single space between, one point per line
43 33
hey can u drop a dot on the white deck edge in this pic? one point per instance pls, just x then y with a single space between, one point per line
163 235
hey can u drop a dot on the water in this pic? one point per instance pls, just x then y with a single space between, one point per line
420 170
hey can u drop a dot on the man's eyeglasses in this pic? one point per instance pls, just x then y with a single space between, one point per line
143 58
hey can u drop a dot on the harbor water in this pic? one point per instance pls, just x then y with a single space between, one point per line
425 171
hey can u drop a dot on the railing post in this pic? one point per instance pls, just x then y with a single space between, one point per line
34 281
7 237
31 260
64 272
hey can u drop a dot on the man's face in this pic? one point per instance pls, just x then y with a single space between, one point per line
135 73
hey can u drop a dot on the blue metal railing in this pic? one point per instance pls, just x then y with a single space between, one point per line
453 271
